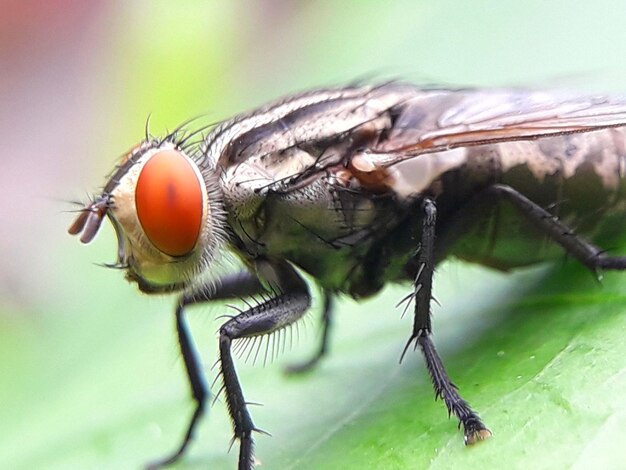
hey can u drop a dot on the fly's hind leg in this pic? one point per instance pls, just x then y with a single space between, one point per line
473 428
323 345
238 285
588 254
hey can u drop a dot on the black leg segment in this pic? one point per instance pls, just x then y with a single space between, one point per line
265 318
473 428
198 386
588 254
323 346
240 284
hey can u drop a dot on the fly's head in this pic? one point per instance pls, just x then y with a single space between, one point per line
167 214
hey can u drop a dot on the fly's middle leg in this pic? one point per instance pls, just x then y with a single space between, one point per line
323 345
473 428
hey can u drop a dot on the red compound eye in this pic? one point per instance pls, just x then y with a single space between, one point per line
168 197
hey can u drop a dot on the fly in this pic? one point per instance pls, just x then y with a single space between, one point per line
361 186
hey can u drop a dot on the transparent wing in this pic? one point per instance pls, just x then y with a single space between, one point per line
484 117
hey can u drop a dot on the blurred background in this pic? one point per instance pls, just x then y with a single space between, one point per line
89 370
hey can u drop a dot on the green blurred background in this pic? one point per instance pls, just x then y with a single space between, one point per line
89 370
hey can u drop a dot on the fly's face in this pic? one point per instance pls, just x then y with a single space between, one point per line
164 210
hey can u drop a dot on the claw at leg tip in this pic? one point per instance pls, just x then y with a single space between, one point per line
477 436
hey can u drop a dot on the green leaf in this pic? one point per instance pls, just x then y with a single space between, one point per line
538 354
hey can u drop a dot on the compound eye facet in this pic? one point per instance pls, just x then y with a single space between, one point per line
168 197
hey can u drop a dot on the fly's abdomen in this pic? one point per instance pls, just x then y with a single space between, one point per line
579 178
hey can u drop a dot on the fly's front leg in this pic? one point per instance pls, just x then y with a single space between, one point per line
237 285
323 347
588 254
473 428
270 316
